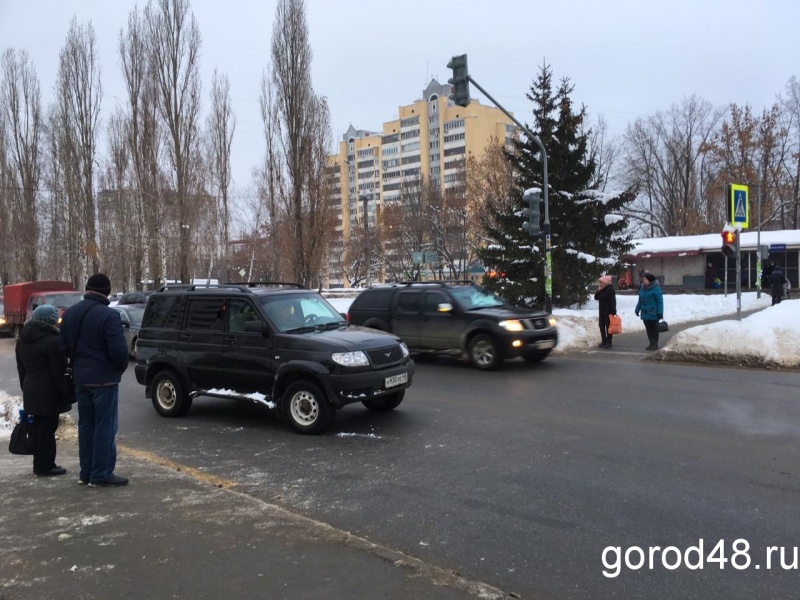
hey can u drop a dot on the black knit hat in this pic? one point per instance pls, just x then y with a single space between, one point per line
650 277
99 283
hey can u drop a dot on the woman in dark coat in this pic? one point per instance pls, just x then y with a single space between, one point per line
41 366
777 280
607 303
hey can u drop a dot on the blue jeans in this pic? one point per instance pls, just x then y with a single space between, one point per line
98 421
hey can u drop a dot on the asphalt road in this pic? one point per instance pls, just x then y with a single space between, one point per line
523 477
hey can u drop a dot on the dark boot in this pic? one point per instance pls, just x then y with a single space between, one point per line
653 339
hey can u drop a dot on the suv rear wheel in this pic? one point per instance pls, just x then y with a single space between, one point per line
306 407
385 403
169 399
483 352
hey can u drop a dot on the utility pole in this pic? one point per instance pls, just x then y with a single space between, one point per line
461 80
366 240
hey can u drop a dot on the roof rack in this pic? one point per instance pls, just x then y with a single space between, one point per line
439 282
245 286
251 284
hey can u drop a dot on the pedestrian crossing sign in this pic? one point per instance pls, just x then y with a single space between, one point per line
738 209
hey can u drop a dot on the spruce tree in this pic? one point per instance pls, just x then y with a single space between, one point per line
587 236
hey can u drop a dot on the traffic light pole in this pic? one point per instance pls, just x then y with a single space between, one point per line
548 267
738 279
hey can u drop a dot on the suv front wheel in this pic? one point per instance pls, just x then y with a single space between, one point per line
307 408
169 399
483 352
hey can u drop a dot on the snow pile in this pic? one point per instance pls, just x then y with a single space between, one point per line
770 338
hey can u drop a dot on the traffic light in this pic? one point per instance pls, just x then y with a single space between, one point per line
729 243
530 201
459 81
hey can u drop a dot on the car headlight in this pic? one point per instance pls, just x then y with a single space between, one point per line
404 349
511 325
2 321
552 321
350 359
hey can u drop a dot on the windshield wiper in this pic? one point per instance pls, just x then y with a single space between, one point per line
303 329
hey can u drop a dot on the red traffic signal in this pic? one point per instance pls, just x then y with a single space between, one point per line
729 239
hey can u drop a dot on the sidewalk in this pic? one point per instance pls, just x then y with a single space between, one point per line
179 534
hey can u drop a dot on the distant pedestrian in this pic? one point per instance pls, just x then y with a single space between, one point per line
709 276
766 274
651 307
100 358
41 365
777 281
607 305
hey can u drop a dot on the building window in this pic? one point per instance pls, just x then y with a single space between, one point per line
388 139
410 147
407 160
453 137
410 121
407 135
454 151
455 124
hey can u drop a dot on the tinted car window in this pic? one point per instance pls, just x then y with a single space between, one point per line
205 314
239 312
374 299
432 302
164 312
408 301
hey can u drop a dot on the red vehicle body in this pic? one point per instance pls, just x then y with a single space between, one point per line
17 296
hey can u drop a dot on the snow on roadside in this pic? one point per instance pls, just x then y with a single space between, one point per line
769 339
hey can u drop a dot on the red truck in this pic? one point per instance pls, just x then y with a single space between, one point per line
17 300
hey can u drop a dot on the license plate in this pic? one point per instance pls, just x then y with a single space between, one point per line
396 380
544 344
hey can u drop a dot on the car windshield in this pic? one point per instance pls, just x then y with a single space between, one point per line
471 297
62 300
306 311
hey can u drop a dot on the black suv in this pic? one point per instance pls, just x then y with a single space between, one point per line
458 318
275 343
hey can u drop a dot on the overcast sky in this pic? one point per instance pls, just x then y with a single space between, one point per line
626 58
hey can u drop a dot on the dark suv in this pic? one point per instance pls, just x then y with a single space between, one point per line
278 344
458 318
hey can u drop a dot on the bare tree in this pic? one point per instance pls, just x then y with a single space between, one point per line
221 125
175 39
406 223
145 138
79 93
304 126
663 160
271 183
604 151
57 243
21 106
7 268
790 164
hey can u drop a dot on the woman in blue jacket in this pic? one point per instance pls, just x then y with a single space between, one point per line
651 307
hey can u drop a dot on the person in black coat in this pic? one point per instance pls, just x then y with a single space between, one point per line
776 281
41 366
607 303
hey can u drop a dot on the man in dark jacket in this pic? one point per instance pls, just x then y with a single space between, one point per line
41 366
776 281
100 357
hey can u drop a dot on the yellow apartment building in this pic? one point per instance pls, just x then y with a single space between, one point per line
428 142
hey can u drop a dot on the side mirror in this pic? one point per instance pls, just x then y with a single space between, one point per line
444 307
255 326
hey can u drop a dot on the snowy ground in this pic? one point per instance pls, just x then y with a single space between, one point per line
769 338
